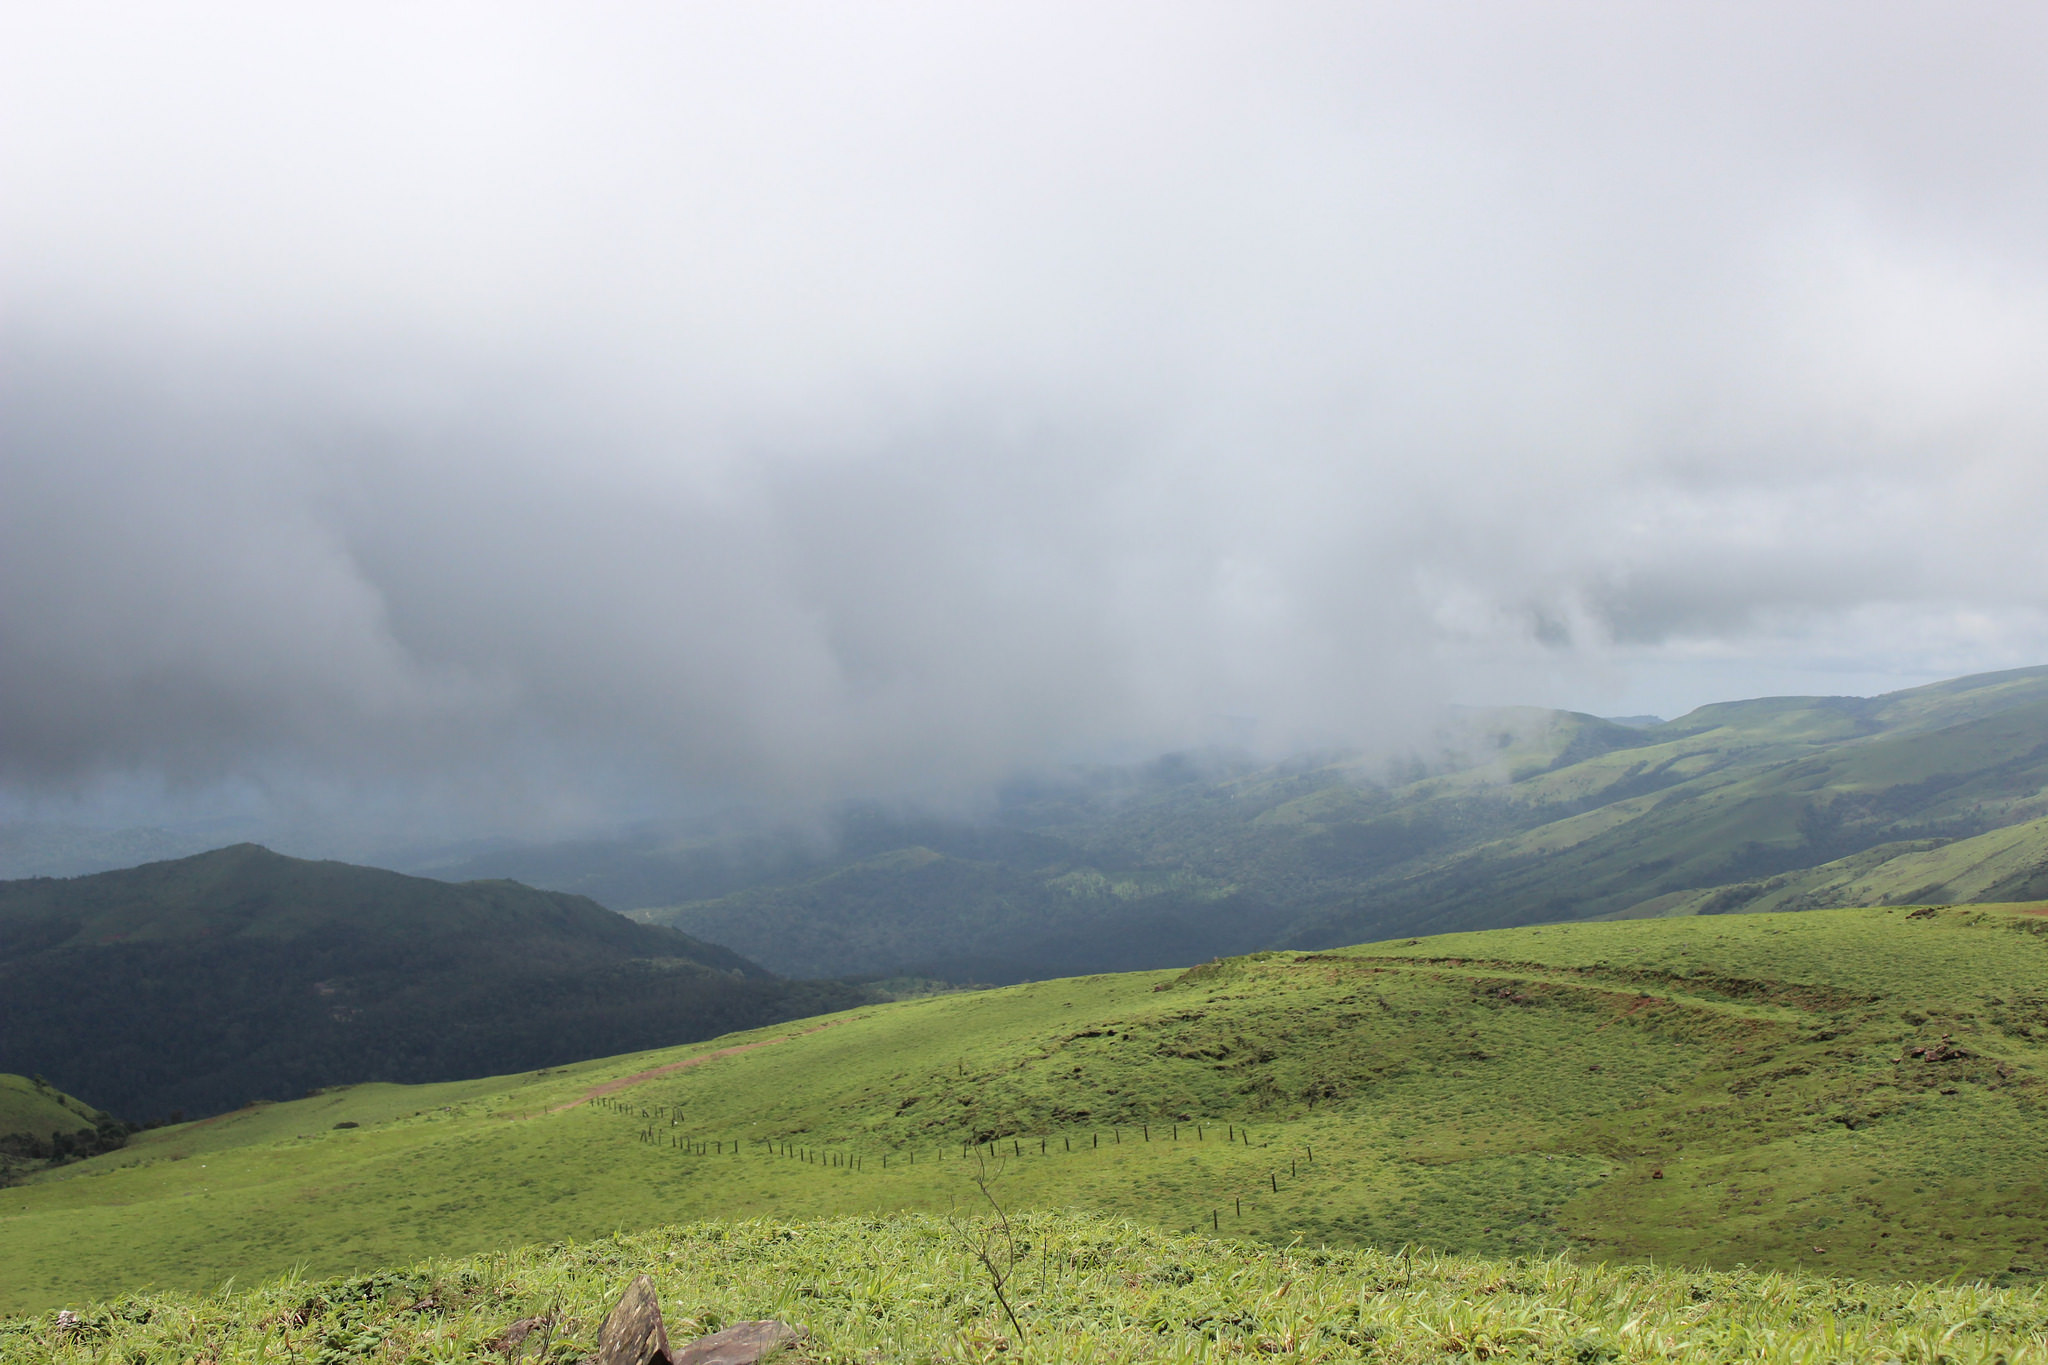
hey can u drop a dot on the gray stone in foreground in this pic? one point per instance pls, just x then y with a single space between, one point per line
508 1342
633 1334
743 1343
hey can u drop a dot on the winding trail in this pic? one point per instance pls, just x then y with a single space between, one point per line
612 1087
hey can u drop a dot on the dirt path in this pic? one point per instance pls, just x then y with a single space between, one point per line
613 1087
241 1113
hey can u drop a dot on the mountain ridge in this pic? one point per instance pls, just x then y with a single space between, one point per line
1534 817
246 889
200 983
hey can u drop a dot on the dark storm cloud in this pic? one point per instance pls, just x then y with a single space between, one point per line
541 409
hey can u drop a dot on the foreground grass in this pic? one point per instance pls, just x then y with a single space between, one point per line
1084 1289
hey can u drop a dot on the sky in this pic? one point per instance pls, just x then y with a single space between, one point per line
513 417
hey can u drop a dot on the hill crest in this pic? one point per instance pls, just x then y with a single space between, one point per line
199 983
1840 1091
246 890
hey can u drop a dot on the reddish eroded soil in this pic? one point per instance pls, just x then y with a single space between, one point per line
614 1086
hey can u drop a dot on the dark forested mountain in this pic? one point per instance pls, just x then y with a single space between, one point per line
201 983
1937 793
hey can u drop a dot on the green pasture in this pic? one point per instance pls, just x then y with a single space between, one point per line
1710 1091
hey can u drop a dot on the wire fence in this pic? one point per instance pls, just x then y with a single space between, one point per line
659 1124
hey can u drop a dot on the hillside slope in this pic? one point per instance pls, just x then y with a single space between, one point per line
1841 1091
40 1123
41 1111
2009 864
1520 817
201 983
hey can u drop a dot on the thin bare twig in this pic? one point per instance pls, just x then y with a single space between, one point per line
999 1261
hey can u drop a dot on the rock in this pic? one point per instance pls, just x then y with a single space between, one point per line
633 1334
508 1341
743 1343
1943 1051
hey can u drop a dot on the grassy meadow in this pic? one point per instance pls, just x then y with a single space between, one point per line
1847 1093
1081 1288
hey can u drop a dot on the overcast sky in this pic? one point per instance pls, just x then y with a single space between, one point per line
534 414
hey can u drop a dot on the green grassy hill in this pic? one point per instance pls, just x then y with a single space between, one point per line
201 983
1842 1092
40 1124
1519 817
40 1111
2009 864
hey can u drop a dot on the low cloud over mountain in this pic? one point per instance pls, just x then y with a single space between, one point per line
511 417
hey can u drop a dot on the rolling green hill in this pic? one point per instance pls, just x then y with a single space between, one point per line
2008 864
1842 1091
41 1124
40 1111
202 983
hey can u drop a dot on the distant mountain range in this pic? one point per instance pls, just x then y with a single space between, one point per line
199 983
1936 793
205 982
